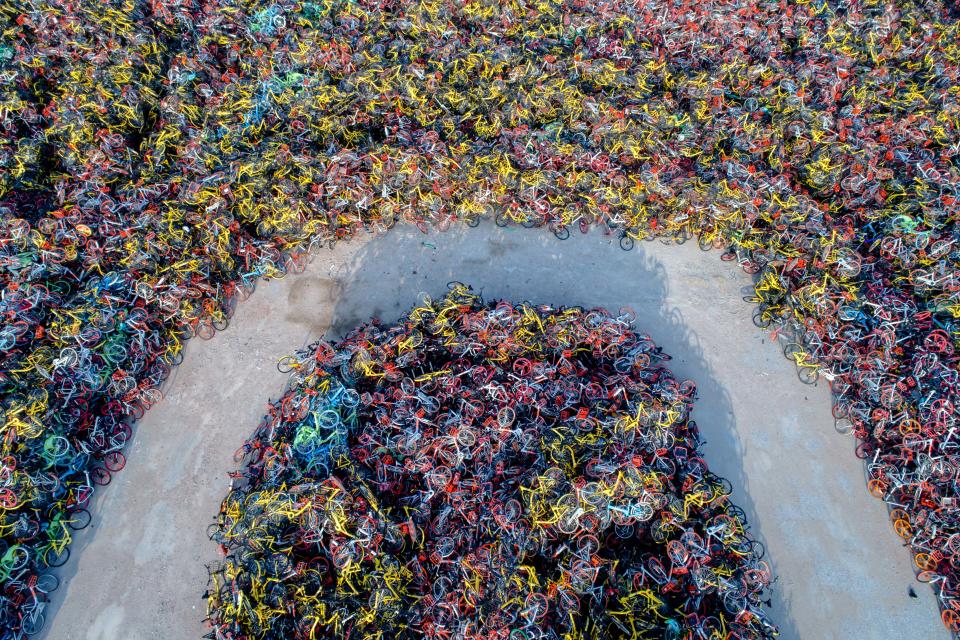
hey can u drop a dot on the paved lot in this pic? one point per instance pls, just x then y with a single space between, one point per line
138 573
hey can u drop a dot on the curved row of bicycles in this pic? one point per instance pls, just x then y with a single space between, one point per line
157 159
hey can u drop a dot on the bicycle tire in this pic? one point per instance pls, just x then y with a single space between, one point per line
47 583
561 233
33 625
790 349
759 321
8 499
28 531
57 559
114 461
627 243
951 620
82 497
205 330
136 410
100 476
18 563
737 512
286 364
80 519
758 548
844 429
121 434
808 375
175 359
926 577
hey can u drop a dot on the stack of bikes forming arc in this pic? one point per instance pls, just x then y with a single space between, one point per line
158 158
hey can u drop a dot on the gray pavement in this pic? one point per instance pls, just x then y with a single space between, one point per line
138 572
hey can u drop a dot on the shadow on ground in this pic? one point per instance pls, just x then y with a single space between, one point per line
841 570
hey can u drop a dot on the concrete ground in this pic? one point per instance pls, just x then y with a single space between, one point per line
138 572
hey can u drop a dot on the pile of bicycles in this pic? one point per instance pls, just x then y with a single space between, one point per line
157 159
484 471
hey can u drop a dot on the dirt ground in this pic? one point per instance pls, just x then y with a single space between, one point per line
139 573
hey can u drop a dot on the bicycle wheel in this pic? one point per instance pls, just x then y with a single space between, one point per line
927 576
951 620
175 358
791 349
26 530
47 583
136 410
760 320
205 330
808 374
53 558
100 476
758 548
627 243
121 434
160 371
114 461
286 364
33 624
923 561
150 397
8 499
842 426
79 519
15 558
877 488
864 450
